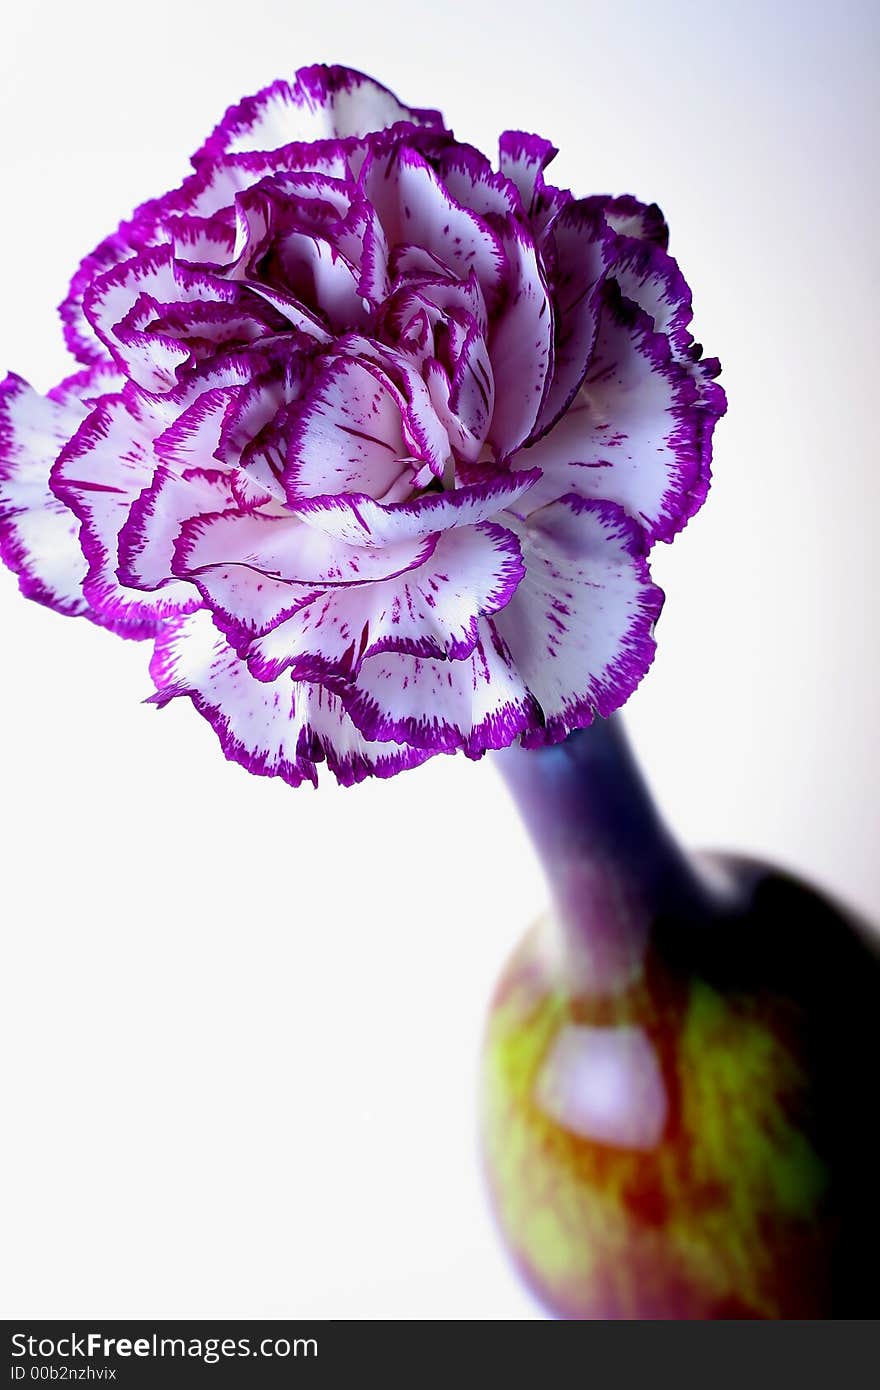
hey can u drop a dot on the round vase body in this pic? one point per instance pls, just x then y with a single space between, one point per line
679 1070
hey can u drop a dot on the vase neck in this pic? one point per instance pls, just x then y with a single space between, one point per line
611 864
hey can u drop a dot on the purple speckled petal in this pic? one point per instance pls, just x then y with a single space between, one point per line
347 434
630 218
213 189
359 520
424 432
79 335
193 436
465 435
186 423
470 404
242 446
472 182
580 627
39 537
431 610
521 347
639 432
651 279
111 298
322 103
156 315
417 209
99 474
201 241
443 706
205 196
155 519
583 249
280 729
255 568
523 159
86 386
349 756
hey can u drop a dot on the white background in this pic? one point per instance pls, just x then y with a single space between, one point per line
240 1023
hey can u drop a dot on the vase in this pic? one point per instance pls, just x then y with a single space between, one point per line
679 1068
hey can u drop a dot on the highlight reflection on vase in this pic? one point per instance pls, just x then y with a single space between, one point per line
679 1069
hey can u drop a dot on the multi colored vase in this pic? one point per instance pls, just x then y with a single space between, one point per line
679 1070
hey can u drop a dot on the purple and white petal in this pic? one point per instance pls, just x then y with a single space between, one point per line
39 536
155 519
651 279
85 387
99 474
639 432
201 241
579 629
121 304
424 434
322 103
347 436
254 569
112 295
417 209
431 610
472 391
523 159
256 723
79 335
630 218
443 706
521 347
466 434
583 247
473 183
279 729
255 464
349 756
186 424
361 521
309 270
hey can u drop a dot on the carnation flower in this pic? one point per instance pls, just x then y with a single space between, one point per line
371 438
